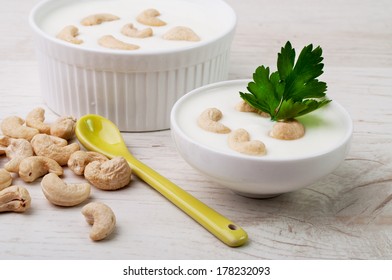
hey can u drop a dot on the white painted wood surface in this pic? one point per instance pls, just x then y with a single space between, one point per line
346 215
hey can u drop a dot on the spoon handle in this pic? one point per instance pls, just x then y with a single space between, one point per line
224 229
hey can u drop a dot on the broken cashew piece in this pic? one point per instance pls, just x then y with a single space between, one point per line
130 31
34 167
36 118
69 34
14 199
150 17
108 41
239 140
98 19
102 219
244 106
109 175
62 194
288 130
209 121
47 146
79 160
14 128
5 179
16 151
64 127
181 33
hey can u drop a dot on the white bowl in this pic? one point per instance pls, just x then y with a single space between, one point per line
257 176
134 89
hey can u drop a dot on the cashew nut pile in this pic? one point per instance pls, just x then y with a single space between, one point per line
149 18
239 139
38 150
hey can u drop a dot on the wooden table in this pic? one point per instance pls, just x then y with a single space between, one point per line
346 215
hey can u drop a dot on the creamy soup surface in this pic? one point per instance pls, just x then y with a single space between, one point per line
325 127
192 14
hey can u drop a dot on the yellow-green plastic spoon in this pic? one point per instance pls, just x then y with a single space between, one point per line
99 134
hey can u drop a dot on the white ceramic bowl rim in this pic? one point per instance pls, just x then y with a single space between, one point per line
231 23
176 127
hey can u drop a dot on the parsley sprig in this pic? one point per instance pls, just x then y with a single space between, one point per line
293 90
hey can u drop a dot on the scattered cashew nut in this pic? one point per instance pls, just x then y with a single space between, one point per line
244 106
109 175
34 167
64 127
288 130
4 142
102 219
5 179
16 151
98 19
181 33
150 17
79 160
209 120
130 31
69 34
239 140
36 118
108 41
14 199
46 145
62 194
13 127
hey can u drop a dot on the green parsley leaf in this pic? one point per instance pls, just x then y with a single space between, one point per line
294 89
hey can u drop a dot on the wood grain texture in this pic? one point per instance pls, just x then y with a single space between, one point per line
346 215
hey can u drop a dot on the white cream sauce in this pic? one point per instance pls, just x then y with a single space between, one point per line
203 21
325 127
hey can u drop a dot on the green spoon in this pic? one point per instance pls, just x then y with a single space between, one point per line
98 134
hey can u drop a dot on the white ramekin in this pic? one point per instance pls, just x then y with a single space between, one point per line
136 90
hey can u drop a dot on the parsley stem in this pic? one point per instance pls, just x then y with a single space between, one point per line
277 109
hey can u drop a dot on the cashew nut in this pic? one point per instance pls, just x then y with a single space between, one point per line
14 199
150 17
108 41
13 127
102 219
35 119
244 106
288 130
4 142
209 120
64 127
56 140
181 33
16 151
46 145
239 140
34 167
62 194
69 34
98 19
5 179
109 175
130 31
79 160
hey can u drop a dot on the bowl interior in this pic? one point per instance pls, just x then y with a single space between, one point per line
225 95
50 16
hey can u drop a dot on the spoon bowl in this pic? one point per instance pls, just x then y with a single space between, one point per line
99 134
